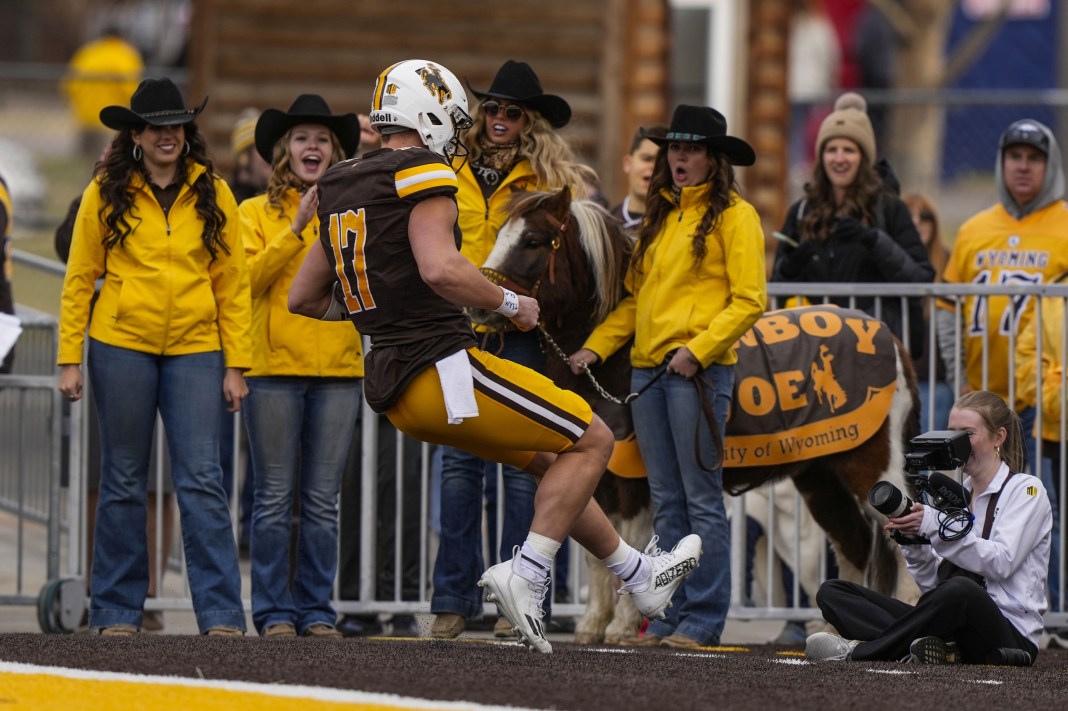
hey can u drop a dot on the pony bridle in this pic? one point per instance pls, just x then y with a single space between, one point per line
550 266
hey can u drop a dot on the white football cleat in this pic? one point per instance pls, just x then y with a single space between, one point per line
668 571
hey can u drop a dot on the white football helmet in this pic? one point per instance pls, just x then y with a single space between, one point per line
424 96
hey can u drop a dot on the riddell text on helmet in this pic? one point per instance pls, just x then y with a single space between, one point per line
675 571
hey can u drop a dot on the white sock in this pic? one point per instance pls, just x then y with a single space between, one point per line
628 564
535 558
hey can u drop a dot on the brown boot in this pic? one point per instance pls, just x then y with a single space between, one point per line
322 630
680 641
447 625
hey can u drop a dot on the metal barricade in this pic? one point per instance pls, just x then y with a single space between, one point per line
45 560
782 514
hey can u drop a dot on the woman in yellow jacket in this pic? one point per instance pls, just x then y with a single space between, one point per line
1052 405
514 146
304 386
168 333
696 284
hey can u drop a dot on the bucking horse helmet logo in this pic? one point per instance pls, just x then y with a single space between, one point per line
435 83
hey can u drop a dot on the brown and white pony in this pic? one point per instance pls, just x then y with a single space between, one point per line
571 256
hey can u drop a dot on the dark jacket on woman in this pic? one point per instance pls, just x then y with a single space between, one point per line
888 251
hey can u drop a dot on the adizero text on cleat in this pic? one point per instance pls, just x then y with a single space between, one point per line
520 600
668 571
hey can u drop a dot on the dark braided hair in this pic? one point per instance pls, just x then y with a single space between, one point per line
658 205
116 173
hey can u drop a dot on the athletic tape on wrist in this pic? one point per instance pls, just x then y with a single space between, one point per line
510 306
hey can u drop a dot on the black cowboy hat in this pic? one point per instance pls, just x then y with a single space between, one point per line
308 108
157 102
701 124
518 82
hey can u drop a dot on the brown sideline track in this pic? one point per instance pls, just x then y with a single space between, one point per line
576 678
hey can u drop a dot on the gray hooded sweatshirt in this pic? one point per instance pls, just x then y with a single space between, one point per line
1052 188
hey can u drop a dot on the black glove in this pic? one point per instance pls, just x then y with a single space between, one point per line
799 257
850 229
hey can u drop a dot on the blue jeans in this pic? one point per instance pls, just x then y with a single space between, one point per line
1051 473
299 433
940 397
459 561
130 387
686 498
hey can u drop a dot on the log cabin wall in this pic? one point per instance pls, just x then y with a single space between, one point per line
768 113
608 58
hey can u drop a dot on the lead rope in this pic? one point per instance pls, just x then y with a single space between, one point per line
589 374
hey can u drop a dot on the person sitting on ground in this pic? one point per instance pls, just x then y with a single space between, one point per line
984 589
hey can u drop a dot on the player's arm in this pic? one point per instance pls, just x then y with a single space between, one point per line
449 274
312 291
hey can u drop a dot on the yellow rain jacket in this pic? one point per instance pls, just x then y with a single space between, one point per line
670 304
162 293
1052 400
284 343
480 219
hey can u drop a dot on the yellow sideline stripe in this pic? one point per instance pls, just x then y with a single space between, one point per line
60 689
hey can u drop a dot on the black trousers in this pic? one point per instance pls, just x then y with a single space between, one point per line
958 610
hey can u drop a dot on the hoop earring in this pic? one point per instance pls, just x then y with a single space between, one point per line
137 152
185 149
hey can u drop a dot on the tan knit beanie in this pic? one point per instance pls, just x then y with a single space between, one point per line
849 120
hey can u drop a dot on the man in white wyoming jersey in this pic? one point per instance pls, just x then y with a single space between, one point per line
391 263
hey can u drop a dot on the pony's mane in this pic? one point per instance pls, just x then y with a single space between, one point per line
604 254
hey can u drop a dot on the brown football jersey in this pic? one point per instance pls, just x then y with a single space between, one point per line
364 208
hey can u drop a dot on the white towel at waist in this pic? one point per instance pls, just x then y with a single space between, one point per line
458 387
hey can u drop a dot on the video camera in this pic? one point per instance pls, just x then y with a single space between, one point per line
929 455
940 450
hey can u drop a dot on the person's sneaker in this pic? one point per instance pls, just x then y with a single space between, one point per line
404 626
668 571
827 647
225 631
793 633
503 628
118 631
562 625
447 625
280 629
680 641
931 650
322 630
520 600
1058 638
359 626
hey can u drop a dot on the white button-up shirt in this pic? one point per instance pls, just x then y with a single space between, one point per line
1014 559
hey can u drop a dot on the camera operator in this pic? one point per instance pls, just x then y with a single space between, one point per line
984 592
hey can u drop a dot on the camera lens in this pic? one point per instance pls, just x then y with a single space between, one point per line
888 500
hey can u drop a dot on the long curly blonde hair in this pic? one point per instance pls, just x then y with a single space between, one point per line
282 176
550 156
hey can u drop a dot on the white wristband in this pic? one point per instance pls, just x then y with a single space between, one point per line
510 306
335 312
